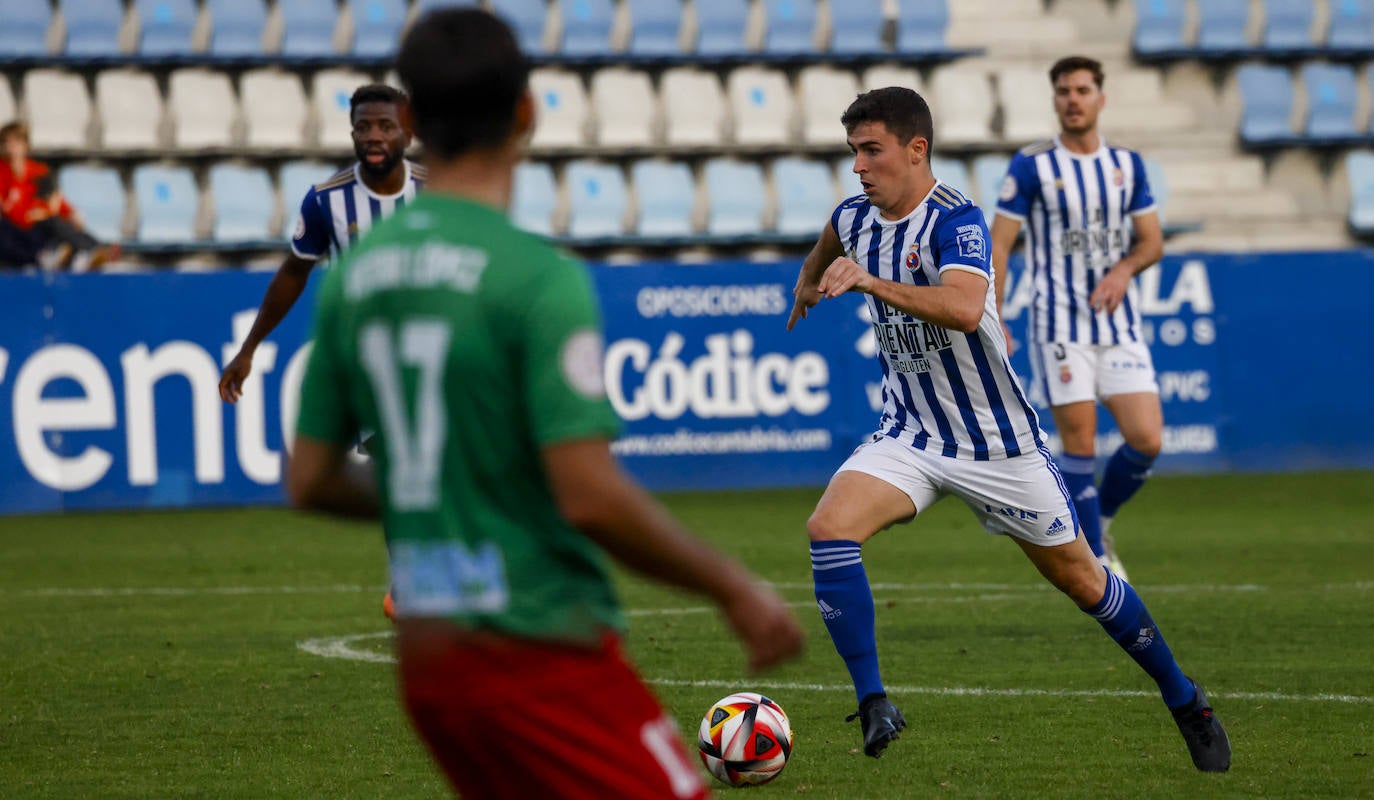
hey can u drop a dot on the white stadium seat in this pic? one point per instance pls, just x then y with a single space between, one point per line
694 112
562 115
825 93
624 106
964 97
202 108
274 109
762 104
130 108
58 109
1027 106
330 93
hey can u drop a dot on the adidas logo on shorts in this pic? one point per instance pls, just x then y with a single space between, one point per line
1056 527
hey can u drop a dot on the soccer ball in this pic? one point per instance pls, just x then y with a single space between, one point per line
745 739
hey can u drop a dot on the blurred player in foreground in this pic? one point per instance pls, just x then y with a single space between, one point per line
475 350
1092 227
955 420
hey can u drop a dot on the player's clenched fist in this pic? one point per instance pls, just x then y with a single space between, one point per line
844 275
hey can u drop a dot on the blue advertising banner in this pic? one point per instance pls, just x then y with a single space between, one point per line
109 381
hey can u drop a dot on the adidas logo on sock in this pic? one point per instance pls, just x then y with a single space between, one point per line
1056 527
828 612
1087 494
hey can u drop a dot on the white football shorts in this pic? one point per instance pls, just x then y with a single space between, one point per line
1022 496
1066 372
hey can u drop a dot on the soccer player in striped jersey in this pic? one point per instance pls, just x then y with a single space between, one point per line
1091 227
955 420
334 214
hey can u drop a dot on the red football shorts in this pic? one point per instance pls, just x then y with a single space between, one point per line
512 719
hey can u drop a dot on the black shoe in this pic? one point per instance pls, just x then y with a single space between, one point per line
1207 742
881 722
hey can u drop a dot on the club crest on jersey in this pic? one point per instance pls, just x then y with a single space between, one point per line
1117 178
913 257
1064 375
970 241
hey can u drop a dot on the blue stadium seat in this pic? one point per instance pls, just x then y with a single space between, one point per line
655 27
167 202
528 18
850 185
806 196
1359 168
534 195
377 26
1222 25
857 27
597 198
1352 25
953 173
242 197
1288 24
1159 184
1331 100
236 27
988 173
721 25
587 27
92 27
665 192
165 27
735 195
296 178
1266 94
791 27
98 193
921 26
1158 27
25 31
309 28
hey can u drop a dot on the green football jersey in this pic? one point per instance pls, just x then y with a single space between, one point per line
468 345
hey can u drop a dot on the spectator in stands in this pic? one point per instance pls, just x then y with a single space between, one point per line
37 213
1091 227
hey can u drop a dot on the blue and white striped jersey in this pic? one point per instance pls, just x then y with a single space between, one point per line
1077 212
335 213
943 390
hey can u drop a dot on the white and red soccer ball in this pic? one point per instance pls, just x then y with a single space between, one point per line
745 739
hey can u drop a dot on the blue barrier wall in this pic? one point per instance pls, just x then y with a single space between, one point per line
109 381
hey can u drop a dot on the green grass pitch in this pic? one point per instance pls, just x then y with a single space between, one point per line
158 655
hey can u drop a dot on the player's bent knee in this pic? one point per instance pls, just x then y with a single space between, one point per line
1149 444
823 527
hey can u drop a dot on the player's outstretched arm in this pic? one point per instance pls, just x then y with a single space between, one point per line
1003 234
1147 250
827 249
320 477
282 293
598 498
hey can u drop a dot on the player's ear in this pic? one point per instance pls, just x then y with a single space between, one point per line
918 149
407 121
525 117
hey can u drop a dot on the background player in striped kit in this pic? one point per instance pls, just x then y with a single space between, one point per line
955 420
334 214
1091 227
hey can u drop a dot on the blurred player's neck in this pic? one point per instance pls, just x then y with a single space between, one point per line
484 176
1081 142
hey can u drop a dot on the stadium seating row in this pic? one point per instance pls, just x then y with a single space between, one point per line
316 29
1228 29
1334 113
654 199
618 108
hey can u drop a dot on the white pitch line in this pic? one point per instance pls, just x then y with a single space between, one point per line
342 647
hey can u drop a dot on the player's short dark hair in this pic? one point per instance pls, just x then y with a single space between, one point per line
1073 64
465 74
901 110
375 93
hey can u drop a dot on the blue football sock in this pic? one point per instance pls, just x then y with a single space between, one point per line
1122 614
1126 472
846 605
1078 477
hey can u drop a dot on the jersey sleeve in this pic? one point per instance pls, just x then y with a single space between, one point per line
324 413
563 359
310 240
961 241
1018 189
1142 199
